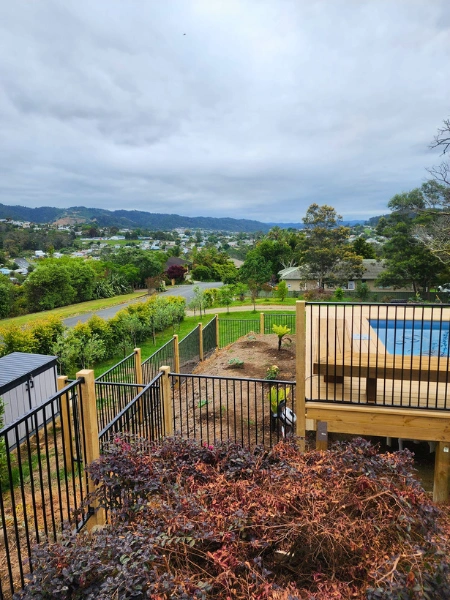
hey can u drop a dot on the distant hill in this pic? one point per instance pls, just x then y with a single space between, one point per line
135 218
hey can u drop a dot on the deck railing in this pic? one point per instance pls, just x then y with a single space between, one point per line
383 355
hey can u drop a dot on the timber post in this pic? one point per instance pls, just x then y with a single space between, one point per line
65 424
217 332
91 441
167 401
176 358
139 379
261 323
200 341
300 358
441 473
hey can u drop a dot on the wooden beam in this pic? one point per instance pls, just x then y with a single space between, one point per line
167 401
66 425
403 423
200 341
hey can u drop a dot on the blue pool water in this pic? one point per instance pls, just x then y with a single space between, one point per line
429 338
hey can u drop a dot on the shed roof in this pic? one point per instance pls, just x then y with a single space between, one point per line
18 365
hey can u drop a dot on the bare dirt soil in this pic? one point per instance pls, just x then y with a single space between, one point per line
258 353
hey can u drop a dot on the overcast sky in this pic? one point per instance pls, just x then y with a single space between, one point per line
240 108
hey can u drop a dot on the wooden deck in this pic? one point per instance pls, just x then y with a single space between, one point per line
347 361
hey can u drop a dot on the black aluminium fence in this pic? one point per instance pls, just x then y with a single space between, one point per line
123 372
112 398
275 319
395 355
142 416
42 481
162 357
212 409
209 337
231 330
189 351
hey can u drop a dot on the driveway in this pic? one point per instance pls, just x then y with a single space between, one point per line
186 291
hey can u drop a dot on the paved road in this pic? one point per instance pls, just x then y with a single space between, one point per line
107 313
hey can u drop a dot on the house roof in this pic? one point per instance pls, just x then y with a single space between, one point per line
176 261
372 269
17 366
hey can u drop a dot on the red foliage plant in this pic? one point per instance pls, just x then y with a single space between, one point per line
192 521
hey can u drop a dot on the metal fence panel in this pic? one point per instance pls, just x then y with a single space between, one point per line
142 416
287 319
231 330
162 357
112 399
189 350
212 409
42 481
209 337
123 372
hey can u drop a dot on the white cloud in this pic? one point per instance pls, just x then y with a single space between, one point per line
236 108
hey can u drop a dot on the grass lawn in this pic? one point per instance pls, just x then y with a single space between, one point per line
73 309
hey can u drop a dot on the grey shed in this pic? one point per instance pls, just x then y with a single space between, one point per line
26 381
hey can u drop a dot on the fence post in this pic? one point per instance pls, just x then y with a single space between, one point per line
300 357
65 423
200 341
261 323
90 432
138 366
139 379
217 332
167 401
176 358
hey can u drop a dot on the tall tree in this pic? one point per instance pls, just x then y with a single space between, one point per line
327 257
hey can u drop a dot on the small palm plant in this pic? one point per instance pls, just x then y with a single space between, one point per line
281 331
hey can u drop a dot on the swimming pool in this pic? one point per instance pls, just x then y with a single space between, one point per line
428 338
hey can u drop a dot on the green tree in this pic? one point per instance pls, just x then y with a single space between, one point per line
282 290
327 256
226 296
362 248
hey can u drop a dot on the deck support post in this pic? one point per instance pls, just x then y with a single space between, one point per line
441 473
300 369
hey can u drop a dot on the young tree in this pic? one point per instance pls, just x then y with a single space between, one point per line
282 290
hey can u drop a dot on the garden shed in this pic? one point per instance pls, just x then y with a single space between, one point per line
26 381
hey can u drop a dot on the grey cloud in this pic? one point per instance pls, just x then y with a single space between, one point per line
262 108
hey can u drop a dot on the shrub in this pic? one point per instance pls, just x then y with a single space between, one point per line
317 295
339 294
236 363
281 331
194 521
272 372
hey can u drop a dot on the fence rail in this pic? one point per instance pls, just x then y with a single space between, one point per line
42 481
210 408
382 355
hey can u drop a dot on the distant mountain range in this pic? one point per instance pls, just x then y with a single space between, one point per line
132 219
